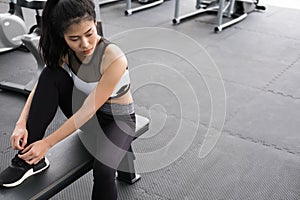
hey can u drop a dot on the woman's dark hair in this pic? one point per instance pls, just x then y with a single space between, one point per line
57 16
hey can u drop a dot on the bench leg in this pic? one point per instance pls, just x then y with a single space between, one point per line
128 175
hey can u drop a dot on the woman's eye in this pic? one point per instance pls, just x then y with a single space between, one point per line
73 39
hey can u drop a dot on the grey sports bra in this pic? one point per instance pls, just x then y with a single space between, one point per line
87 75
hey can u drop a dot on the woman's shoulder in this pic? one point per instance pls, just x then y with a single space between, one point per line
111 54
112 50
110 47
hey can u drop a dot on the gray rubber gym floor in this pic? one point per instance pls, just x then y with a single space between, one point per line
239 86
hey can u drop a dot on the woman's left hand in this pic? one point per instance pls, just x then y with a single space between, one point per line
33 153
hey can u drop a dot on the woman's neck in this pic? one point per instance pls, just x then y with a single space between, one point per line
87 59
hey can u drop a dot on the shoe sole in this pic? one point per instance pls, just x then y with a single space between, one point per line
27 174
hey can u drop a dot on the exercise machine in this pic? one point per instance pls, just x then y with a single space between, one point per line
129 9
12 24
30 41
235 10
12 28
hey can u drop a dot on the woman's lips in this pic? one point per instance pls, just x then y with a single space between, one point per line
87 51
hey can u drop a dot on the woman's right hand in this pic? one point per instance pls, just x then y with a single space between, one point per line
19 137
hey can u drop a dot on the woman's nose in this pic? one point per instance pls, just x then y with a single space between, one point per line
84 42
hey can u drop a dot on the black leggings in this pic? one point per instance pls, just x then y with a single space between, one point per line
55 88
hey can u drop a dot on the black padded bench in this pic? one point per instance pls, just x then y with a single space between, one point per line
69 160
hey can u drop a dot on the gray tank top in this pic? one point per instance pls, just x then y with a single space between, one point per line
87 75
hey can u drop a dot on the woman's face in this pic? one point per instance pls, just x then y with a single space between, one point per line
82 38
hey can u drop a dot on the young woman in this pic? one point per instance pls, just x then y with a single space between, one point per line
96 67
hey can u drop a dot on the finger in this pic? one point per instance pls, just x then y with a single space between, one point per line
24 142
35 161
12 141
26 151
30 161
19 142
26 156
23 155
16 144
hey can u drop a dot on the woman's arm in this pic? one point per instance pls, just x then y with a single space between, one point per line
110 77
20 131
